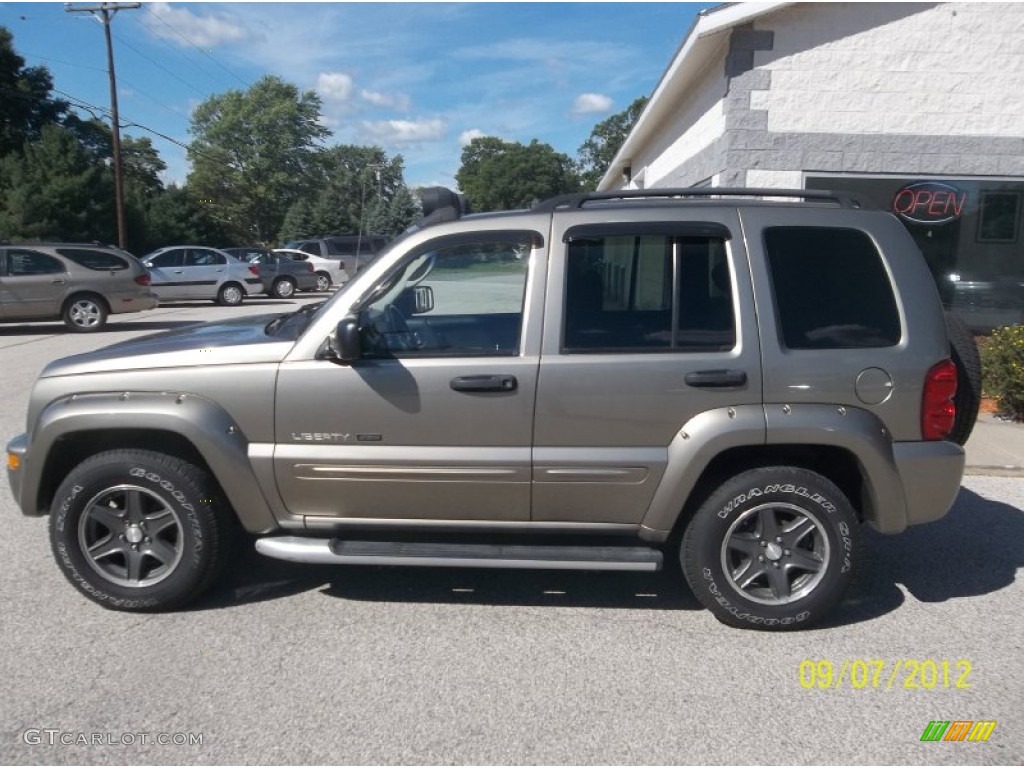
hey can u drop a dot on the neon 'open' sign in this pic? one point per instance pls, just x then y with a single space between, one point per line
929 202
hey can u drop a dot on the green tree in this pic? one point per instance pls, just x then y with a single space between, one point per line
25 95
175 216
55 190
254 153
361 190
496 175
595 155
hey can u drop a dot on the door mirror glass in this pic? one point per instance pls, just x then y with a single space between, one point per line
422 299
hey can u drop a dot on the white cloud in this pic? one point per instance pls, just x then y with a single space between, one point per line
334 86
397 101
466 137
405 131
591 103
185 28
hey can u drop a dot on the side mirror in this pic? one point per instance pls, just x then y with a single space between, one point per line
423 299
346 345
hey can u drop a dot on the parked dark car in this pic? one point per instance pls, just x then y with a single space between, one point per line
282 275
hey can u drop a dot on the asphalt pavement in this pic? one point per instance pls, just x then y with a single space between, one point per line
285 664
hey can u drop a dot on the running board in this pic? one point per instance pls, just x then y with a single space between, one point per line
339 552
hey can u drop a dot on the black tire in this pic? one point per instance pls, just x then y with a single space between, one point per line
85 313
776 530
964 353
323 282
138 530
230 295
283 288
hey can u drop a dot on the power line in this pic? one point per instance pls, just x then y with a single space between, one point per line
129 123
138 90
160 66
192 44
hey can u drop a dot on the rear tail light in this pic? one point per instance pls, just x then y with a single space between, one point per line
938 411
255 269
143 280
309 267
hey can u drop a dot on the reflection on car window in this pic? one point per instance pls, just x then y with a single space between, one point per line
457 300
90 259
632 293
166 259
23 263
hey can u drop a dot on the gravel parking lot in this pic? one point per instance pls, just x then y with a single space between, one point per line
290 664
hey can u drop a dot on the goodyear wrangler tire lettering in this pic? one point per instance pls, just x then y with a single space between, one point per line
772 547
138 530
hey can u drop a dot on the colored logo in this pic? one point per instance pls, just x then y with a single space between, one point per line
929 202
958 730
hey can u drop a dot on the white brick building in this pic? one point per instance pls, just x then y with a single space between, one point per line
916 106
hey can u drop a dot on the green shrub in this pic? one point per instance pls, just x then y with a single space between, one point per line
1002 365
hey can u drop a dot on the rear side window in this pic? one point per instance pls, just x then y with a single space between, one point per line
21 262
831 289
648 292
101 261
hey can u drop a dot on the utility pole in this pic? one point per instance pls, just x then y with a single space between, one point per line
105 12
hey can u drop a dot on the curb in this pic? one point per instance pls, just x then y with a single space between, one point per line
997 470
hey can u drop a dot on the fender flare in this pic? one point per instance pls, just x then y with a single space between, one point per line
203 423
856 431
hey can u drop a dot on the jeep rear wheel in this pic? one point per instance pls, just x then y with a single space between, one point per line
772 548
139 531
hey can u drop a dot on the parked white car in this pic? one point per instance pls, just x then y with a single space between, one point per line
328 271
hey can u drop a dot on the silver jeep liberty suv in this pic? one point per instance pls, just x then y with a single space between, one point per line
740 378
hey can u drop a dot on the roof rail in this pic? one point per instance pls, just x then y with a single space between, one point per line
578 199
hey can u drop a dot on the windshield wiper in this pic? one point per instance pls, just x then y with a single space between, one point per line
307 311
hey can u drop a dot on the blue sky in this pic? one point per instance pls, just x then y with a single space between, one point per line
419 79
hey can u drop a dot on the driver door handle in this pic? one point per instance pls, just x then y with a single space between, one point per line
719 378
501 382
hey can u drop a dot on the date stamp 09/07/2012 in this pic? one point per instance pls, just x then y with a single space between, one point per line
885 674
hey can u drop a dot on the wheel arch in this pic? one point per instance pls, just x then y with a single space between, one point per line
848 446
191 428
836 464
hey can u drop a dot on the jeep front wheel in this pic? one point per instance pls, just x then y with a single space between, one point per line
772 548
137 530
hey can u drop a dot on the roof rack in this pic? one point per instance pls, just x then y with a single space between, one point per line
578 199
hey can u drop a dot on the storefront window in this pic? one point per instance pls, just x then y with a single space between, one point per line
970 232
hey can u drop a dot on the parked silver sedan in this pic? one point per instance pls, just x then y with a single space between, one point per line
77 283
195 272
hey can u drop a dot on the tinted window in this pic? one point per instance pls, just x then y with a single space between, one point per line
461 299
22 263
831 289
648 293
98 260
166 259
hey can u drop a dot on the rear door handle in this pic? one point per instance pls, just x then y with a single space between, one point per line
501 382
719 378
